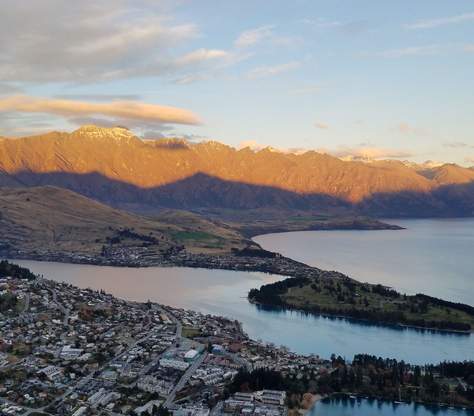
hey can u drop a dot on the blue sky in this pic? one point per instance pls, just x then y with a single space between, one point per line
353 78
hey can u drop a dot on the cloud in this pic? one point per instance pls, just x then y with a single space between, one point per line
369 153
469 47
459 145
129 110
90 41
359 153
443 21
411 51
201 55
426 50
256 147
321 125
9 89
310 89
353 27
405 128
267 71
99 97
253 36
469 159
321 23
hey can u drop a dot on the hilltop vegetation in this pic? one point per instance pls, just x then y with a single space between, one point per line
375 303
13 270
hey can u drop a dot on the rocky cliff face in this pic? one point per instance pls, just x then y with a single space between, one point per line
114 166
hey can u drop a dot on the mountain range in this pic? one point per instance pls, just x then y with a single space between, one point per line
115 167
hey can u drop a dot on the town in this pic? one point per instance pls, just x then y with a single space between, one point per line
71 351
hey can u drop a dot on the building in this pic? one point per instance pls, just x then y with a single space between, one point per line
151 384
274 397
52 372
69 353
191 355
175 364
80 411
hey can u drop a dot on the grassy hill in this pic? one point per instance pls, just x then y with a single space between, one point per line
53 220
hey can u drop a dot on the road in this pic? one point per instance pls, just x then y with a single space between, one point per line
26 306
83 381
184 379
64 310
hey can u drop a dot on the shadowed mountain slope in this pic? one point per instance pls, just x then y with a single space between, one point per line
50 219
115 167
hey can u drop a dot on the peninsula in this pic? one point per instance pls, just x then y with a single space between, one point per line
345 297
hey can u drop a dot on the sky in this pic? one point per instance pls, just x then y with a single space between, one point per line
370 79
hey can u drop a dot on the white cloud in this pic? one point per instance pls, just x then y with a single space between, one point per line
99 97
321 23
411 51
427 50
443 21
253 36
9 89
257 147
406 128
321 125
369 153
127 110
358 153
266 71
469 47
310 89
459 145
90 41
201 55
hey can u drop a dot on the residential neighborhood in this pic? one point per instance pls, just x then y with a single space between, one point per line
71 351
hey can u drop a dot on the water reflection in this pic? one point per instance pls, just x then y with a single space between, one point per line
224 293
305 314
342 405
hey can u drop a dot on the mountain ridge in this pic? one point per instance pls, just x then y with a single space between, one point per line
189 175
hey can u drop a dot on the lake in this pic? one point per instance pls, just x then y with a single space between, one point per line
224 293
430 256
345 406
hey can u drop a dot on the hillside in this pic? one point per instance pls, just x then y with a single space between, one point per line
117 168
45 221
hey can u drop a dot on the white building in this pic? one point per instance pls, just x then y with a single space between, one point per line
191 355
69 353
176 364
52 372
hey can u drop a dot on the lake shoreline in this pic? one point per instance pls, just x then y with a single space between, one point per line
245 261
349 318
360 397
